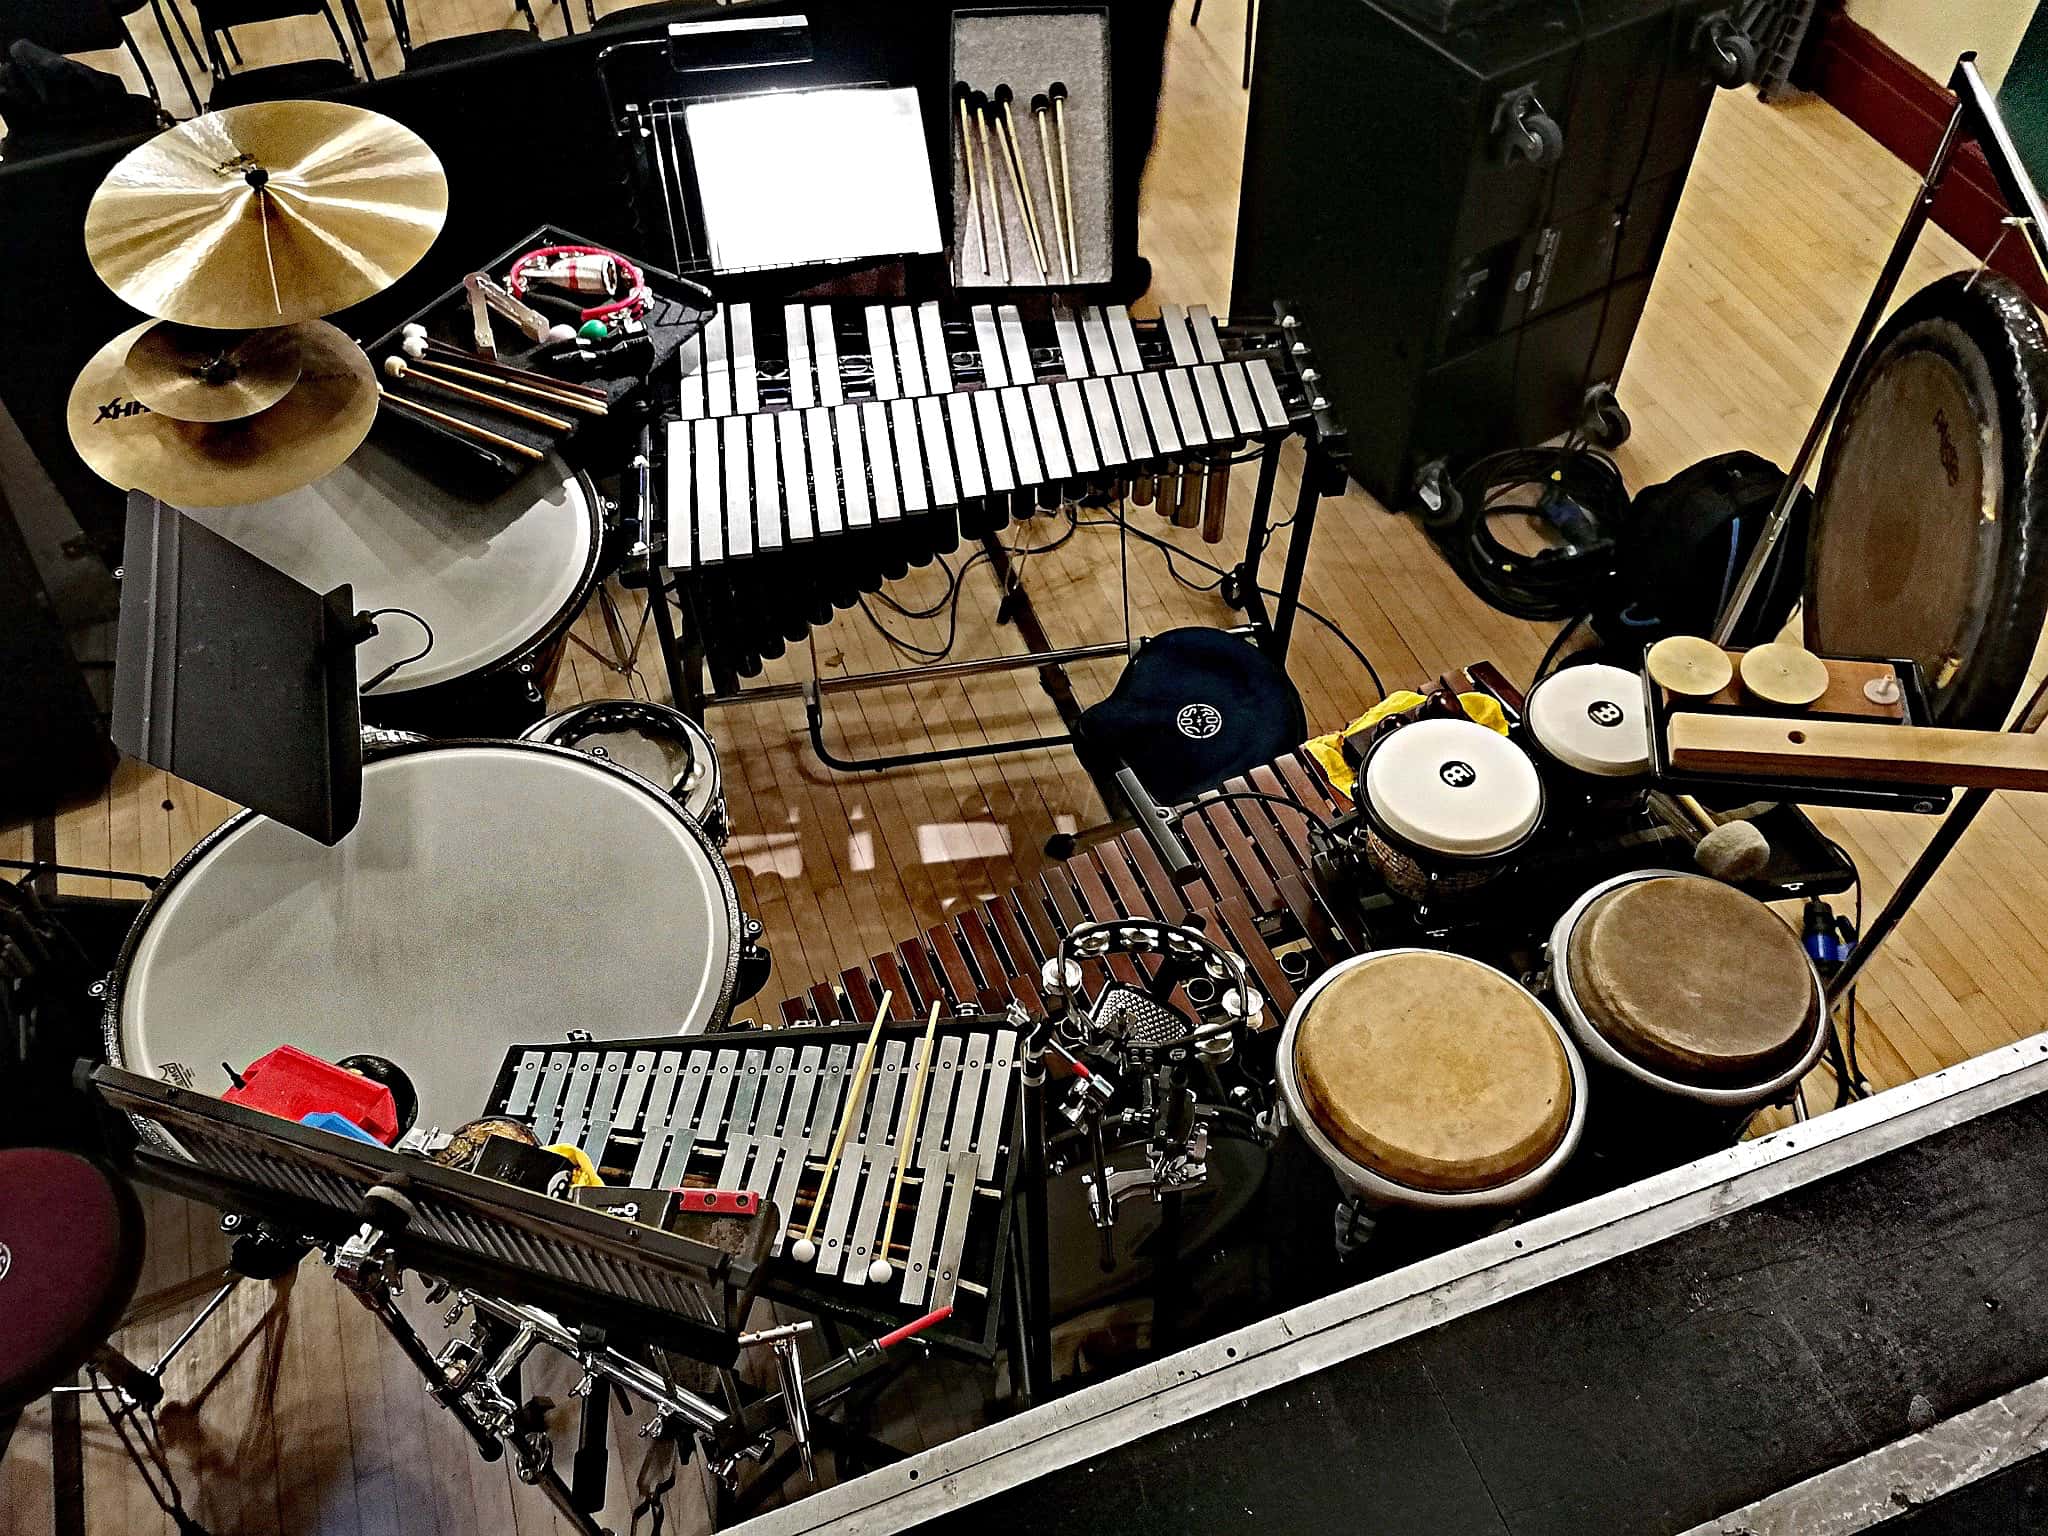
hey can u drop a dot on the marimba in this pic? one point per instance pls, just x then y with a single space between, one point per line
760 1112
822 449
1256 895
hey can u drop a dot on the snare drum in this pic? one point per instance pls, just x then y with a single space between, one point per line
1591 733
653 740
493 894
1423 1078
1447 804
500 581
1696 1001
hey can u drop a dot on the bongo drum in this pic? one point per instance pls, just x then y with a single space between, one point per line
656 742
1423 1078
493 894
500 581
1590 731
1447 804
1689 988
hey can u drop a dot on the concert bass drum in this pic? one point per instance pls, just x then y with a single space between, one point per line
500 581
493 894
1931 513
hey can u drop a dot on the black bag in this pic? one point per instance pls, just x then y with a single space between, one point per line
1683 548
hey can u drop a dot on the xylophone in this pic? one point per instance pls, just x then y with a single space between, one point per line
761 1112
821 449
1256 895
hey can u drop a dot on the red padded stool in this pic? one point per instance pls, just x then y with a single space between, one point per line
70 1252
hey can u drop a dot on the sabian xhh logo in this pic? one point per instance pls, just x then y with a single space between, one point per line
1458 775
1604 712
1198 722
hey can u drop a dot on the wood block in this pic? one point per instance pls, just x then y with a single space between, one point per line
1781 748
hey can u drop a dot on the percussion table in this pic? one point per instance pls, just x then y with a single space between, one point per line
1812 1332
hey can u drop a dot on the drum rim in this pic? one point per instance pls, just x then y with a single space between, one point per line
115 983
1422 852
1608 1054
1377 1186
396 687
702 749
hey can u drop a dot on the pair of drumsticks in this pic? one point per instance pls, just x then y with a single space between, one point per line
805 1249
434 364
1049 109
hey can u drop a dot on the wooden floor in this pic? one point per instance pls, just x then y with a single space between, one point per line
1785 222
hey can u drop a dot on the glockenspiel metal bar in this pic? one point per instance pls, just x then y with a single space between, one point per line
929 1162
525 1078
661 1095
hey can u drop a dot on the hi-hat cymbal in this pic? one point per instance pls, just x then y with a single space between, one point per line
198 375
266 214
322 419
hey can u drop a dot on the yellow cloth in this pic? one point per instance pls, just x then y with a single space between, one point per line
584 1174
1328 751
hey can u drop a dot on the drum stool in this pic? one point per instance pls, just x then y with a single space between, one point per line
1195 707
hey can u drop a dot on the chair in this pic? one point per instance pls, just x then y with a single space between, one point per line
85 26
1194 707
126 8
271 82
469 45
641 15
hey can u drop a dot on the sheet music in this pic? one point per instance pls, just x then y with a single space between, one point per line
792 177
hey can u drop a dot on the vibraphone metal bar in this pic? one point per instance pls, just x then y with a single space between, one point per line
1256 895
759 1112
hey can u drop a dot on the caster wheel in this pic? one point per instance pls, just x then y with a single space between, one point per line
1604 421
1060 845
1232 591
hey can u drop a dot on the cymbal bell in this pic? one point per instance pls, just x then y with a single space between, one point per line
266 214
189 374
322 419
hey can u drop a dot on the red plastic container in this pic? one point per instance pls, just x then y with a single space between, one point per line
291 1084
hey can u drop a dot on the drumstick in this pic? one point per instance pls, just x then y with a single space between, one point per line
1006 130
960 95
582 403
803 1250
501 370
398 368
880 1270
482 434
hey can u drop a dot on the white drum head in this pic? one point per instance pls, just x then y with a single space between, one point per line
491 577
493 894
1592 718
1454 786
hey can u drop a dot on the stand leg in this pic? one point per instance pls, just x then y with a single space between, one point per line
378 1300
1298 538
690 700
1034 1380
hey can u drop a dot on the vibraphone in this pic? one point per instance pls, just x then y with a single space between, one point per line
1256 895
822 449
760 1112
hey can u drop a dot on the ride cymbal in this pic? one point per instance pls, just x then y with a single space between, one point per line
266 214
190 374
321 420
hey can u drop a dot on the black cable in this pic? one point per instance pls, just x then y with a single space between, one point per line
1556 648
1560 582
1248 794
1173 550
419 655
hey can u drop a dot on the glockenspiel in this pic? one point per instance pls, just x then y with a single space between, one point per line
759 1111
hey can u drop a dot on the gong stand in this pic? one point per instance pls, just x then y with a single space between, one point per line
1975 116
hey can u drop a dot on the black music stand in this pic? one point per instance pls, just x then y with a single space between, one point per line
231 674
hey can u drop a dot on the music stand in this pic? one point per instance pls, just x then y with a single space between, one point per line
231 674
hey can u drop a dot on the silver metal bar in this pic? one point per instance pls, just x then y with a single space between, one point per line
897 676
621 1370
654 1125
525 1077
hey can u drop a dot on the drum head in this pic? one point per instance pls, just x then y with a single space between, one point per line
1434 1071
1928 523
494 578
1592 718
493 894
1453 786
1693 979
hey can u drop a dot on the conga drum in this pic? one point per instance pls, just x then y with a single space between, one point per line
1589 730
656 741
1447 805
1695 1004
1428 1080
